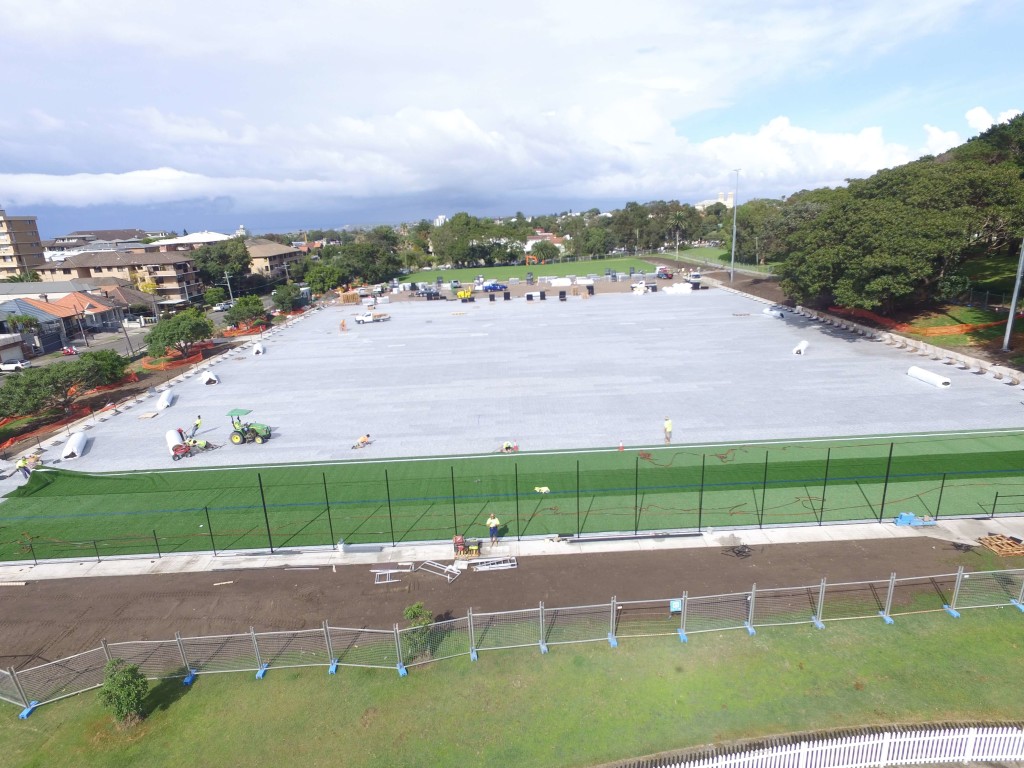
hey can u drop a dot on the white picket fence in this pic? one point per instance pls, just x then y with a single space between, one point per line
875 750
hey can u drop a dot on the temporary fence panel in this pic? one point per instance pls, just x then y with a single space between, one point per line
154 658
579 624
304 648
922 594
220 653
9 689
854 600
648 618
990 589
776 607
57 679
364 647
440 640
506 629
716 612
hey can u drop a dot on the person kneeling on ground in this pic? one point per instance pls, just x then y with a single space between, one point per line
506 447
363 441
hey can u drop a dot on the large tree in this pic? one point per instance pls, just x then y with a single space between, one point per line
180 332
36 390
247 310
230 256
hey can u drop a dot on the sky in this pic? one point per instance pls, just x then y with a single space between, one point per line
329 113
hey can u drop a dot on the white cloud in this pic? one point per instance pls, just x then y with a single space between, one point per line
938 140
980 119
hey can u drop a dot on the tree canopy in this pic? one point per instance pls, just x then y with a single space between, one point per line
37 390
180 332
247 310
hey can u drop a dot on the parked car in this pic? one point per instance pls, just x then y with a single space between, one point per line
427 293
495 287
223 306
15 365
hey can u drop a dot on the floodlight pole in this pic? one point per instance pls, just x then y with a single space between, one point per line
735 204
1013 302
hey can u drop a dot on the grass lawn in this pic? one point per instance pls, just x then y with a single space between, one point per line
68 514
467 276
993 273
576 706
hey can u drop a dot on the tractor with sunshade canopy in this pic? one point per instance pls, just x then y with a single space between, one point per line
246 432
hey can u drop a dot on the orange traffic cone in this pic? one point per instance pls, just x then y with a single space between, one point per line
621 447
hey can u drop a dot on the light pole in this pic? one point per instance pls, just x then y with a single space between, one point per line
735 204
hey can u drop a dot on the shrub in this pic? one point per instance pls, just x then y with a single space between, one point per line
124 691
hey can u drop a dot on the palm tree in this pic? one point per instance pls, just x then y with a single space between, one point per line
23 277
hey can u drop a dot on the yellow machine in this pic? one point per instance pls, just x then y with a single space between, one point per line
465 293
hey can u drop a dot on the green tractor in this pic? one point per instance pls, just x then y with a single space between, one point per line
243 432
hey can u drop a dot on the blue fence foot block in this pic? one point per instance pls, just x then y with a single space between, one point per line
951 611
682 636
818 624
402 671
28 710
472 654
751 631
1018 604
333 669
543 648
886 619
190 677
612 641
262 671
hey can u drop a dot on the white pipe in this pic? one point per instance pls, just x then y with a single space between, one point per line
166 399
257 348
75 446
210 378
800 348
928 377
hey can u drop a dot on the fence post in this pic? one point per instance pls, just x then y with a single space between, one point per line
612 640
1020 598
330 650
885 488
32 551
327 501
951 608
402 671
824 487
883 759
209 527
801 758
191 673
682 617
636 497
994 502
540 615
972 742
817 617
96 547
888 600
764 490
455 514
942 488
391 519
700 495
519 531
577 497
751 599
17 684
266 517
472 635
106 651
259 659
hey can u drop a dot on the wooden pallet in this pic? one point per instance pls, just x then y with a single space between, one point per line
1003 546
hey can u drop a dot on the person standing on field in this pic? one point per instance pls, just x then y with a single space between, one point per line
668 430
492 526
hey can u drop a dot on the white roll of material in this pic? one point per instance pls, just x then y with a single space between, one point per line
257 348
800 348
74 446
166 399
928 377
173 439
772 312
209 377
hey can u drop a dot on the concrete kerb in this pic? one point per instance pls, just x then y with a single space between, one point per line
965 531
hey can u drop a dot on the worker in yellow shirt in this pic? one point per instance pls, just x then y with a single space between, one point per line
668 430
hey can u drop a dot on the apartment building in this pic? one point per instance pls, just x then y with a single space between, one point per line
270 259
170 276
21 250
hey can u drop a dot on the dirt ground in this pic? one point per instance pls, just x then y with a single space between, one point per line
47 620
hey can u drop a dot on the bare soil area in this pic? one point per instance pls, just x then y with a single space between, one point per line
47 620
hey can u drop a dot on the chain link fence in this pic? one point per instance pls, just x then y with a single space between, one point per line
400 648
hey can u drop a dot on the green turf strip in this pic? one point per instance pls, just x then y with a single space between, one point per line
64 514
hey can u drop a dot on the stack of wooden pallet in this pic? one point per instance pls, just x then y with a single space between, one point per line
1003 546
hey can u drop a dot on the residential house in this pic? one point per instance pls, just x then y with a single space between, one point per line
21 250
540 235
55 325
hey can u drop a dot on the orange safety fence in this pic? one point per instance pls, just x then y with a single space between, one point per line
76 414
129 378
892 325
244 331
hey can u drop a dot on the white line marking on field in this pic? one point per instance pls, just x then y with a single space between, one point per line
222 583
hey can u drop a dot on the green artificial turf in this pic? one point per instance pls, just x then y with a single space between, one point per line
578 705
66 514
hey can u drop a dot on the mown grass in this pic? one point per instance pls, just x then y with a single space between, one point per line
576 706
558 269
